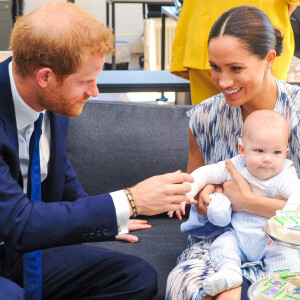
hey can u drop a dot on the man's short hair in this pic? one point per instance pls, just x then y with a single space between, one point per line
59 36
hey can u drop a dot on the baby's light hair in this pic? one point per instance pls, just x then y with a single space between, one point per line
266 119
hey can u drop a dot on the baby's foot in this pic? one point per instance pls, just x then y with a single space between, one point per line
229 276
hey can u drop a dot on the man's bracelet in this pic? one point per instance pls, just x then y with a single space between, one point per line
131 201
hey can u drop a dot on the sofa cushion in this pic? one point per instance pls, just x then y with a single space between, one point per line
113 145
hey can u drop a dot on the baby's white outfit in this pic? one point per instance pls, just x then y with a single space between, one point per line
245 240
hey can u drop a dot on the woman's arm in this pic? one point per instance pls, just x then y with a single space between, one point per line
243 199
196 159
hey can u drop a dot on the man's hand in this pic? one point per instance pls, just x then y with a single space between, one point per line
161 193
133 225
238 189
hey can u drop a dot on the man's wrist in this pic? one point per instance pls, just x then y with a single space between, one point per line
133 208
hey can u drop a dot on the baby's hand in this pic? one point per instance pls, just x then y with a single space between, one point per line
191 200
179 213
269 241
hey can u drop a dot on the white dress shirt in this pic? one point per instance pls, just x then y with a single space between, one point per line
25 117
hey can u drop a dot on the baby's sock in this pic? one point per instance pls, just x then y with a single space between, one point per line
228 277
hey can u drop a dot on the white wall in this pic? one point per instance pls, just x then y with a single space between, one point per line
128 16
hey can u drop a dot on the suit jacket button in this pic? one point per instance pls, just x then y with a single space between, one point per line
105 231
92 235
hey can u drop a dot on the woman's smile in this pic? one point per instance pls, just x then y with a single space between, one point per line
231 92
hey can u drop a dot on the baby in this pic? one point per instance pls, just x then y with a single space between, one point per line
262 162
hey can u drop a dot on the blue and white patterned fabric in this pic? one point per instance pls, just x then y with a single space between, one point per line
214 124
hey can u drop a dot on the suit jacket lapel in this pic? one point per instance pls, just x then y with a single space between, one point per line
59 126
7 110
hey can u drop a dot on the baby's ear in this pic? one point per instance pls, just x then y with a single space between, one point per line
241 149
287 151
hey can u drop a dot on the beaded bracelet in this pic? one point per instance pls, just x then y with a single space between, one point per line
131 201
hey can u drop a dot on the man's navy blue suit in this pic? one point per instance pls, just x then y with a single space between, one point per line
66 216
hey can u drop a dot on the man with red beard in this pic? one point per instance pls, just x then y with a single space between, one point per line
58 51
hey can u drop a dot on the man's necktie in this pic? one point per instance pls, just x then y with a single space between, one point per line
33 260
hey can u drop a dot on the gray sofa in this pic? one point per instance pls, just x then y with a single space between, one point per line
113 145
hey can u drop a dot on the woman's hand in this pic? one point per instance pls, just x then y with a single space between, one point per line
242 198
237 190
133 225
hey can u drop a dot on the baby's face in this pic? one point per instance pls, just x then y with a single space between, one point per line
264 152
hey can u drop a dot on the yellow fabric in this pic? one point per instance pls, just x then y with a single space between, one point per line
293 2
190 42
201 84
